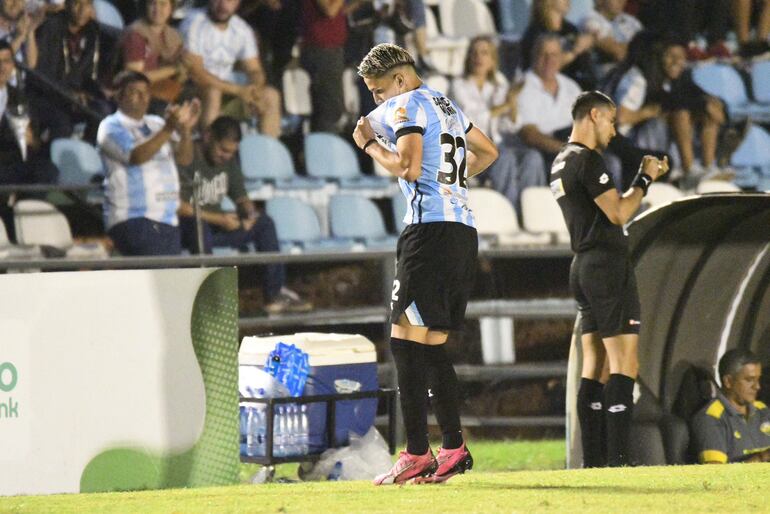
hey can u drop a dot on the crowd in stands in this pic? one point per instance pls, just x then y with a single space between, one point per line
209 69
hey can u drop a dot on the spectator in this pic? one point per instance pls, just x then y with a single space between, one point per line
142 186
548 16
21 161
17 26
324 33
151 46
734 427
702 24
72 42
612 30
275 22
545 101
485 97
652 81
742 14
217 39
215 162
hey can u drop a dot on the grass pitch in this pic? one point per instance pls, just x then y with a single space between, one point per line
731 488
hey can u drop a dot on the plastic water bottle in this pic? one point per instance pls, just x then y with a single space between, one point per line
291 429
280 432
255 438
303 431
243 413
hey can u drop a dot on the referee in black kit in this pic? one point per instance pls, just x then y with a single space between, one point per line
601 276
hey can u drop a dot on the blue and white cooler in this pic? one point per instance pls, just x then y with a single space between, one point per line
339 363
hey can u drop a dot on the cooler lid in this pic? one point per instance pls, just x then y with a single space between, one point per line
322 349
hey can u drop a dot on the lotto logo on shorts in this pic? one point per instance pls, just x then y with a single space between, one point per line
634 322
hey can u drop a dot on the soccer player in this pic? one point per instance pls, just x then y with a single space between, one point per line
425 140
601 276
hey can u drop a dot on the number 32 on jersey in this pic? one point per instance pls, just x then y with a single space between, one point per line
451 171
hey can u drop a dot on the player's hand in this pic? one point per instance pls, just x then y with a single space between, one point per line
363 132
654 167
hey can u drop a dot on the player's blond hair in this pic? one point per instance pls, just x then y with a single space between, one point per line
383 58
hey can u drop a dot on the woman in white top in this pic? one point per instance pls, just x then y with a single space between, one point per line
484 95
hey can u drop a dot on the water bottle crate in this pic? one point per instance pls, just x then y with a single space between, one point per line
272 406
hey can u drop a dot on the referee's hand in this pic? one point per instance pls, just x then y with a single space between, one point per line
654 167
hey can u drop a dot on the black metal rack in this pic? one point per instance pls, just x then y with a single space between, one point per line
389 395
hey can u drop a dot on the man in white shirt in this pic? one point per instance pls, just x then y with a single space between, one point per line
141 183
217 40
612 29
545 101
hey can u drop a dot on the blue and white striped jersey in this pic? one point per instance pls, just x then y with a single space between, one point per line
441 193
149 190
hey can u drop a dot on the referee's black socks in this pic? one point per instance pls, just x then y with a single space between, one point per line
410 359
592 423
618 407
444 395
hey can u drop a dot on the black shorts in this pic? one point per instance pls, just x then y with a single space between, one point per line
604 286
435 269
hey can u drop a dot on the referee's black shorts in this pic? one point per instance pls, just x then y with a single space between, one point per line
435 270
604 286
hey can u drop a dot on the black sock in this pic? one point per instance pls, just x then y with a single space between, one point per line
592 423
618 407
410 360
445 395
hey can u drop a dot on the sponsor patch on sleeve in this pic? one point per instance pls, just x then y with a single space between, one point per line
400 116
557 188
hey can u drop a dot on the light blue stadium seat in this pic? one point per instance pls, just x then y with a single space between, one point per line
265 159
330 157
297 226
358 218
752 160
578 10
79 164
514 17
725 82
760 81
108 14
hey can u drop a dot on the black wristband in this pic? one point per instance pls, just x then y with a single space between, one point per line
366 145
642 181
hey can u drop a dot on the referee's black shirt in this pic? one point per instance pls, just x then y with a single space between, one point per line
578 175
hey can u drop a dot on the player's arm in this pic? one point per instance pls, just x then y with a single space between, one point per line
619 209
482 152
405 162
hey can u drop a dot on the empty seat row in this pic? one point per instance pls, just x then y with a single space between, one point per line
39 224
724 81
355 223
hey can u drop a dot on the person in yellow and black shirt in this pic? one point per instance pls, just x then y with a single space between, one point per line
734 427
